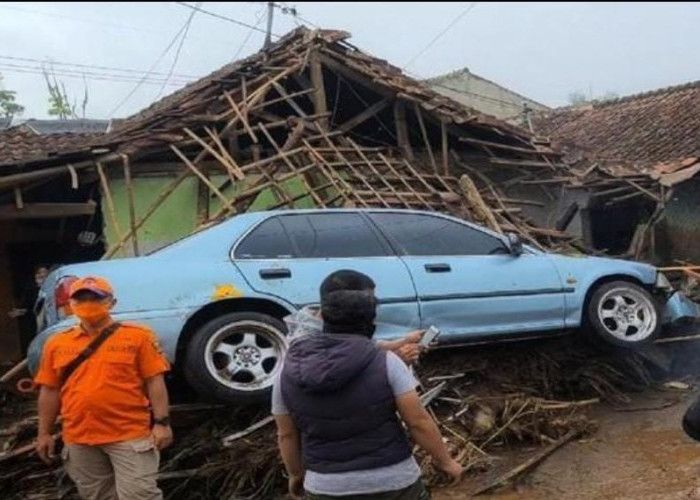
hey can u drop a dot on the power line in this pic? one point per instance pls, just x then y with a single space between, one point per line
153 66
188 23
94 22
19 68
94 66
439 35
225 18
260 16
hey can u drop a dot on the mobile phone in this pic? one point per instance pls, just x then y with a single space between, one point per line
429 336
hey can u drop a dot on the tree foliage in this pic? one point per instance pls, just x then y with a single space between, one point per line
8 105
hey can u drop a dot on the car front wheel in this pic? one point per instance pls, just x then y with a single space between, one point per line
235 358
624 314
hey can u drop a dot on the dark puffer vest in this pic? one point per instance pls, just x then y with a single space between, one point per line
338 393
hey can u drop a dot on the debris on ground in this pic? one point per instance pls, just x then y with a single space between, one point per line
489 401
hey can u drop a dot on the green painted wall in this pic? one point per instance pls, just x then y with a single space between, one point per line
177 216
174 219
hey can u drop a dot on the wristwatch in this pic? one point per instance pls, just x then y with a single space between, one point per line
164 421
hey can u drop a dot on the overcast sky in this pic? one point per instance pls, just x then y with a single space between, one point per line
542 50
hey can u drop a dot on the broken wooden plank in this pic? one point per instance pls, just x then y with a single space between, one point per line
503 147
530 463
14 371
227 203
47 210
424 133
563 221
319 96
522 163
477 205
365 115
228 440
402 137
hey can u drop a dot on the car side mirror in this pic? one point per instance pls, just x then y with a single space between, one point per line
515 244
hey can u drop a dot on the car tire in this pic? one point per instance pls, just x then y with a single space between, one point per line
235 358
624 314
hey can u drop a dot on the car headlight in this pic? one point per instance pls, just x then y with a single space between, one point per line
662 282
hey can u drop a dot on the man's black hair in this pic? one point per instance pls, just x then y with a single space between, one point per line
348 304
346 279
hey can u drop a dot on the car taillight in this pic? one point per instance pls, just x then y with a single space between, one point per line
62 296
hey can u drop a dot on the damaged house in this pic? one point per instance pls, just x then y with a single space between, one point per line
310 122
638 159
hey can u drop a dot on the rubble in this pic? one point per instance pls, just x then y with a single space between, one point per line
486 401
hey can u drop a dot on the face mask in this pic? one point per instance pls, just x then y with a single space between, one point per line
91 312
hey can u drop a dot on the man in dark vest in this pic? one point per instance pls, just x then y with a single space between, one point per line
335 406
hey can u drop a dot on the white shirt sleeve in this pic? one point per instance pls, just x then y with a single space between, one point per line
400 377
278 406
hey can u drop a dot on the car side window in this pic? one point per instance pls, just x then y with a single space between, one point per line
333 235
267 241
418 234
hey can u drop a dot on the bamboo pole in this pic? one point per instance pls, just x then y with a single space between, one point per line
225 162
329 175
355 172
403 180
203 177
388 184
162 196
132 206
110 200
291 166
233 104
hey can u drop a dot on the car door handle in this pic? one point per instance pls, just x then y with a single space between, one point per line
438 268
273 274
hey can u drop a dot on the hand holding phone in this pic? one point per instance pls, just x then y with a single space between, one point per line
430 335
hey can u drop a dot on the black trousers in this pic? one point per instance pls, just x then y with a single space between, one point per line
417 491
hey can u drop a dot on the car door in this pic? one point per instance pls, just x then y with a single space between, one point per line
289 255
467 280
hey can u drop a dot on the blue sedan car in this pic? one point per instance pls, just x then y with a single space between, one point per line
217 298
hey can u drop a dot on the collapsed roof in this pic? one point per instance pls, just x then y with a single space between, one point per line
349 128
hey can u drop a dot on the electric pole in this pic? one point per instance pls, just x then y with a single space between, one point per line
268 35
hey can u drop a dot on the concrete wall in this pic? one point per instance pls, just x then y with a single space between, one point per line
483 95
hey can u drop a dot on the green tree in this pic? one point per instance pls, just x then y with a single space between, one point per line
59 103
8 106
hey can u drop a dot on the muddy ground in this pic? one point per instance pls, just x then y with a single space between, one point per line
639 452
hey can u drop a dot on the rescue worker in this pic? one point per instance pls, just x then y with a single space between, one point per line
111 450
335 407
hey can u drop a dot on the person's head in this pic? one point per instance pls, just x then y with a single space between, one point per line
92 299
41 271
348 303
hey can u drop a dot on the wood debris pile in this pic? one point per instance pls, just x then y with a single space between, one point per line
487 401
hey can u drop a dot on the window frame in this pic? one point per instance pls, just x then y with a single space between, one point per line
248 232
387 245
402 252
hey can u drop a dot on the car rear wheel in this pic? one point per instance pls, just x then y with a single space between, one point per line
624 314
235 358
